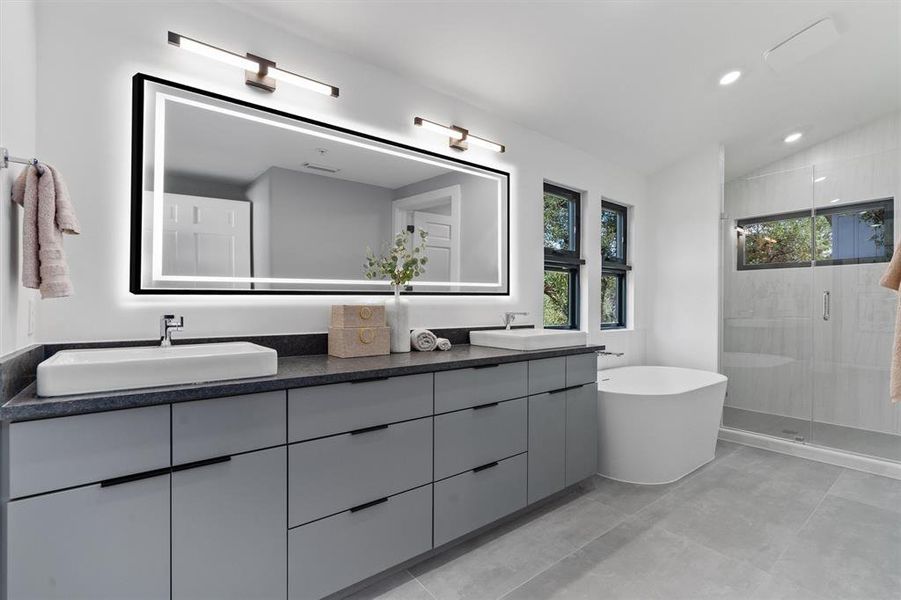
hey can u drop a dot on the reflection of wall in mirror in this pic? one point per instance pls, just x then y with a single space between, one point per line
478 222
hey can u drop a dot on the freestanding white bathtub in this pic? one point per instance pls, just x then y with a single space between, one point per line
657 424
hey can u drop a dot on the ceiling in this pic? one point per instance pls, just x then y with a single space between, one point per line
631 82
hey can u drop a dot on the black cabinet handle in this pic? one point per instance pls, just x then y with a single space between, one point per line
487 366
481 406
368 379
566 389
560 391
369 504
483 467
368 429
135 477
201 463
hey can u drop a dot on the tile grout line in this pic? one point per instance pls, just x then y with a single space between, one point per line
422 585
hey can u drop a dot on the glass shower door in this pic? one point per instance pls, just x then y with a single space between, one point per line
767 310
853 330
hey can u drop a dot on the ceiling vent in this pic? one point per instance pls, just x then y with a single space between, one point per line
800 46
323 168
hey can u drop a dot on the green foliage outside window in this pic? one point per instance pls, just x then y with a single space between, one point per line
556 299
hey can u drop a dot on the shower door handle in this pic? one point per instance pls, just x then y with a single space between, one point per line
827 305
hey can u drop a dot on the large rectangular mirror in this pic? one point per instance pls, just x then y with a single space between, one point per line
230 197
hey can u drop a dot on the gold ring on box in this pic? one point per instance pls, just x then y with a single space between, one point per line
367 335
365 313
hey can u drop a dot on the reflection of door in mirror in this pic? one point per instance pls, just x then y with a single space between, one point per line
206 237
437 212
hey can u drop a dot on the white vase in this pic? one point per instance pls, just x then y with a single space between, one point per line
397 312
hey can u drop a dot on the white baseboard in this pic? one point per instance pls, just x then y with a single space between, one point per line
886 468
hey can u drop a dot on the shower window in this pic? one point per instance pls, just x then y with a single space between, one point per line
847 234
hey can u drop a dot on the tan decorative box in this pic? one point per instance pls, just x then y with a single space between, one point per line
349 342
357 315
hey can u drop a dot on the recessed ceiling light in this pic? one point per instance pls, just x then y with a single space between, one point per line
819 179
730 77
793 137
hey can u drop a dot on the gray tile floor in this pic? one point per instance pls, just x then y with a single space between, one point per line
752 524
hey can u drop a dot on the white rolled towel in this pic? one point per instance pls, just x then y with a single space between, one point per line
423 340
444 344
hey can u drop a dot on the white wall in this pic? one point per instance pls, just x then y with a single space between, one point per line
18 82
90 51
687 200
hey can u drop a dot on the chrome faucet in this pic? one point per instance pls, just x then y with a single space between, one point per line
509 317
168 324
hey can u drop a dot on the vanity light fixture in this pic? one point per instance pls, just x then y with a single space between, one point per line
259 72
793 137
730 77
460 138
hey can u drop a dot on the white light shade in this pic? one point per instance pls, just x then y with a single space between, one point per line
793 137
217 54
730 77
448 131
299 81
477 141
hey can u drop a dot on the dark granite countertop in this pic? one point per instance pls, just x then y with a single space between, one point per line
293 372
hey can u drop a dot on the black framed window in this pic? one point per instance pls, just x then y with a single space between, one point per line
614 264
855 233
562 257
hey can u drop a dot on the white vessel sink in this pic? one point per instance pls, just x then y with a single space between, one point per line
106 369
528 339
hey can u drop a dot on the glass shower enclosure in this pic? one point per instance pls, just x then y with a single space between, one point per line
807 332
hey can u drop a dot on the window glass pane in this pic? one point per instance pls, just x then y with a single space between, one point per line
556 298
850 234
558 221
783 241
610 300
612 238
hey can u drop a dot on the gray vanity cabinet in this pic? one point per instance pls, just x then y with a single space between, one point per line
547 444
228 528
103 542
581 432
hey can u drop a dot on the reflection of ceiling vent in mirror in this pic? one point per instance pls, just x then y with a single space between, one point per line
800 46
323 168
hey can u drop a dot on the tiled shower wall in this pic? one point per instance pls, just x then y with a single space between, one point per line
781 357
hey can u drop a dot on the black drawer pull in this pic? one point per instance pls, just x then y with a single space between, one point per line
135 477
483 467
201 463
481 406
560 391
368 429
369 504
369 379
566 389
487 366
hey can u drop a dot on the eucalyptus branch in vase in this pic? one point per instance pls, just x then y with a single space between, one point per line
399 262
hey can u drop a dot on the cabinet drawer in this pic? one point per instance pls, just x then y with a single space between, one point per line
547 374
581 368
464 388
333 474
469 438
476 498
58 453
91 542
223 426
333 553
329 409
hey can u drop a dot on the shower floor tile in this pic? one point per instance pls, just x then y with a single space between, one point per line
751 525
860 441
